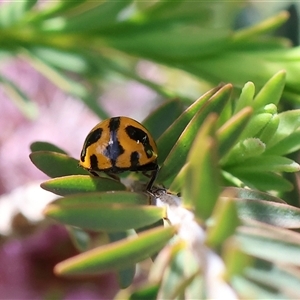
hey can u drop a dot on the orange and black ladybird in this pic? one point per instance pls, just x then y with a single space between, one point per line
120 144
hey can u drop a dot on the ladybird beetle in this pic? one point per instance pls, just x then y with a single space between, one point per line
120 144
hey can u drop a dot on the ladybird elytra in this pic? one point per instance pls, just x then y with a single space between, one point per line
119 144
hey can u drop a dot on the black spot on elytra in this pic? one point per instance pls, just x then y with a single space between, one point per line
134 159
140 136
94 162
92 138
114 124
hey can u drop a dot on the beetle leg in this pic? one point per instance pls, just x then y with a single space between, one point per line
153 177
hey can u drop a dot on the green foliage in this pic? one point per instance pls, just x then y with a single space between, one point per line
224 170
225 152
94 39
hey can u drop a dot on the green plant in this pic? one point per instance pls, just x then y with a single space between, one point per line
226 153
219 234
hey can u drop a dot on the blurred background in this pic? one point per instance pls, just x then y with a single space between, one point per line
58 81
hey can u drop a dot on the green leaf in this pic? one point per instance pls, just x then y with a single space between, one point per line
57 8
68 85
146 293
125 276
219 229
103 216
263 27
110 197
277 214
168 139
72 61
235 260
26 106
75 184
159 120
251 290
284 278
178 182
257 123
240 193
271 91
160 40
266 163
91 17
80 238
46 146
264 181
243 150
12 12
270 243
182 273
177 157
118 255
287 145
200 191
289 121
164 259
229 133
56 164
246 97
269 130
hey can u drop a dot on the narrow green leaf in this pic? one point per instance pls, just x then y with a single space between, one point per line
12 12
164 259
271 23
126 275
72 61
118 255
200 191
285 279
167 140
246 97
240 193
56 164
110 197
219 229
159 120
270 243
264 181
46 146
75 184
91 17
56 8
289 121
182 270
54 75
235 260
243 150
177 157
230 132
80 238
269 130
251 290
287 145
26 106
277 214
266 163
75 88
146 293
160 41
271 91
104 217
178 182
257 123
